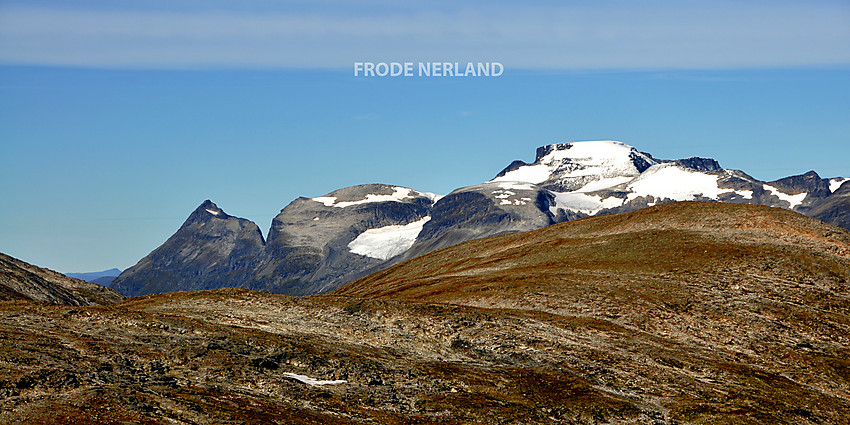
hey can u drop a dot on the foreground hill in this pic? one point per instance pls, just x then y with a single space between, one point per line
675 244
750 300
682 313
317 244
23 281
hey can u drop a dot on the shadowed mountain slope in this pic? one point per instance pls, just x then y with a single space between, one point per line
210 250
835 209
23 281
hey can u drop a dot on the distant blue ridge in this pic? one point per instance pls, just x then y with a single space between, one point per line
92 276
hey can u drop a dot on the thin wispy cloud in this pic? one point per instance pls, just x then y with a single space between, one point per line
672 36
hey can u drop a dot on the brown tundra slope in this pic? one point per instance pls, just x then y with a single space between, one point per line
681 313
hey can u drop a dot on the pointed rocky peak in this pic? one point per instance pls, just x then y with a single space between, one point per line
210 250
210 220
208 209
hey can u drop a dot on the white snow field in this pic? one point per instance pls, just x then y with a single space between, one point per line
386 242
794 200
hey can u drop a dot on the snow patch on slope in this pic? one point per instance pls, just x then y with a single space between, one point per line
605 183
835 183
536 173
312 382
746 194
399 194
793 200
386 242
583 202
508 185
213 212
329 201
432 196
505 192
521 201
666 181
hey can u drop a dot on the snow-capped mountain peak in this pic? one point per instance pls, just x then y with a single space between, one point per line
588 178
566 167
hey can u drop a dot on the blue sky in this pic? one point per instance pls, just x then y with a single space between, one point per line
118 118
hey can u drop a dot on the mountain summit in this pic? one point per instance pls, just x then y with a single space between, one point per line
317 244
566 167
589 178
210 250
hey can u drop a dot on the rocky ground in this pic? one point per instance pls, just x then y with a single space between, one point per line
20 280
672 315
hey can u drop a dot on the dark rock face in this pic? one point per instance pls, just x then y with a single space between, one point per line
816 198
479 211
809 182
23 281
699 164
543 151
307 249
311 244
642 160
834 209
210 250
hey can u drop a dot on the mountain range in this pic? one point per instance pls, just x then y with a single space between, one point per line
317 244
